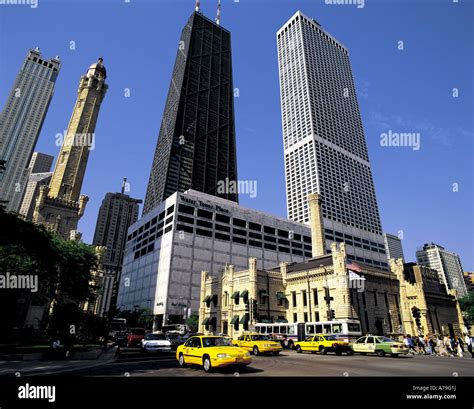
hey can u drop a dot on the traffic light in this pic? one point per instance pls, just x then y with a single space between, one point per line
247 308
254 309
333 315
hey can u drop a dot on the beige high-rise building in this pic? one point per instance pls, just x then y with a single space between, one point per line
60 205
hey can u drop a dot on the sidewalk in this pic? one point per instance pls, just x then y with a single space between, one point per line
38 367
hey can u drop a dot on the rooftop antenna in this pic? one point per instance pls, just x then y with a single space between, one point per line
197 8
124 183
218 18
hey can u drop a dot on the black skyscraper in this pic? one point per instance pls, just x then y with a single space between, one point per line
196 146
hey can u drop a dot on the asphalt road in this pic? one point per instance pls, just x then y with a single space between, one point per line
288 363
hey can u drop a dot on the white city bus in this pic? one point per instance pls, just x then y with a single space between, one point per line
288 334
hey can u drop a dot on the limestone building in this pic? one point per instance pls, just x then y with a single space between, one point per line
426 306
325 287
60 205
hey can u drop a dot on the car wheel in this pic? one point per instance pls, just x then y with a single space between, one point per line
350 352
276 353
323 351
182 364
206 363
255 350
291 345
298 349
381 353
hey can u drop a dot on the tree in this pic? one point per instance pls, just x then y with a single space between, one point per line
63 270
193 322
467 306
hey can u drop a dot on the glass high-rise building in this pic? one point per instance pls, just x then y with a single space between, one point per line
324 143
196 145
21 121
447 264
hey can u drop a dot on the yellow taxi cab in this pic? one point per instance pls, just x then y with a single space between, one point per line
210 351
323 344
258 344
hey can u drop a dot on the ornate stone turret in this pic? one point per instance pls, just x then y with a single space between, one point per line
64 197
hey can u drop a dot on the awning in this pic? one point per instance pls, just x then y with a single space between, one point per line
283 321
244 294
263 293
235 295
207 299
206 321
265 321
235 318
280 295
244 319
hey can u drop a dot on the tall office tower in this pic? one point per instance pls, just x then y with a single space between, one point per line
393 246
60 206
40 162
447 264
324 144
116 214
196 145
21 121
38 174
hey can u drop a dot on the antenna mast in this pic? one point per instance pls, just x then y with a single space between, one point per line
218 18
197 8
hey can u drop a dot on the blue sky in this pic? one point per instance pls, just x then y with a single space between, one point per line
407 90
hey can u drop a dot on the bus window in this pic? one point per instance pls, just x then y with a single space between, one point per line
283 329
327 329
310 329
258 329
319 329
292 330
269 330
353 327
336 328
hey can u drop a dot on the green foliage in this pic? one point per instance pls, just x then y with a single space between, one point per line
193 322
467 306
63 269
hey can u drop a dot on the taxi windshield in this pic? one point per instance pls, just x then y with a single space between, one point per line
260 338
216 342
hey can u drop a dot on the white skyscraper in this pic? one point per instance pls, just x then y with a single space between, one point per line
324 144
447 264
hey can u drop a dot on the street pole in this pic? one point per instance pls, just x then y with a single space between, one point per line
308 298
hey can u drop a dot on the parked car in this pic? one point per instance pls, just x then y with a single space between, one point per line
120 338
323 344
211 352
258 344
380 345
175 339
156 342
135 336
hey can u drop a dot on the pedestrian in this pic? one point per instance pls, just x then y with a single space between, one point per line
421 345
441 347
432 344
468 342
429 350
453 345
461 343
458 350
